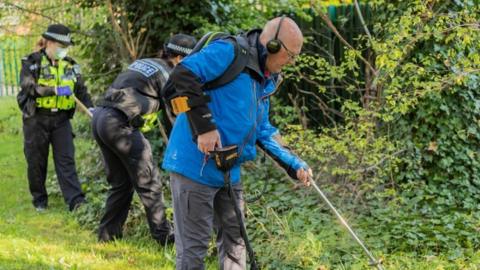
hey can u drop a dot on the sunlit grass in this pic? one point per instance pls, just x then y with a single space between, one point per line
52 239
20 252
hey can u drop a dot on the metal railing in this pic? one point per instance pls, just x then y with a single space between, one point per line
11 52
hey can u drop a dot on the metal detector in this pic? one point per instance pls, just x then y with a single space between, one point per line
373 262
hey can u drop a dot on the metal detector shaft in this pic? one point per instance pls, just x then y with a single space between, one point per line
82 107
373 261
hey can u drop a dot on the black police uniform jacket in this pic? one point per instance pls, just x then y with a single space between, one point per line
136 91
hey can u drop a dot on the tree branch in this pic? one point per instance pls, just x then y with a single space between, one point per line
121 32
362 21
30 11
375 166
340 37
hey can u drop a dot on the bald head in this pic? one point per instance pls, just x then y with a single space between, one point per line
288 31
291 40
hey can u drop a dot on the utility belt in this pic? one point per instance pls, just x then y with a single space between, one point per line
55 103
144 122
53 112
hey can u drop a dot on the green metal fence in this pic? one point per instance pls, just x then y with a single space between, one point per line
11 52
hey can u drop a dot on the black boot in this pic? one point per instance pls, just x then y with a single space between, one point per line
166 239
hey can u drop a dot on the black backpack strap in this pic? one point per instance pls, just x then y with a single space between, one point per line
240 61
206 39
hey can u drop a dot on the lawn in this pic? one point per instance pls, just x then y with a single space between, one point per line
53 239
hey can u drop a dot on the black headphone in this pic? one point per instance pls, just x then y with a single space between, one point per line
274 45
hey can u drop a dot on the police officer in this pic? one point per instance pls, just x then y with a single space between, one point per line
49 80
128 106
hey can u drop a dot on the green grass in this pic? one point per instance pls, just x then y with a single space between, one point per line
54 240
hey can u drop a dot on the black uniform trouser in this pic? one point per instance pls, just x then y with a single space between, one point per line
129 166
39 132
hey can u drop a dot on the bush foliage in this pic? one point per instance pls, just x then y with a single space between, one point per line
407 147
394 138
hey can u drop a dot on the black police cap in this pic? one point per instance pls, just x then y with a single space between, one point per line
59 33
180 44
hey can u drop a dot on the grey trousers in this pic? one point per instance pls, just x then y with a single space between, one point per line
199 210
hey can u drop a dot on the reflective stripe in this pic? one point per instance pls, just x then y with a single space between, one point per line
64 38
179 48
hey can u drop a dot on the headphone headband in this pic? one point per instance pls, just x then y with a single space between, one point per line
279 26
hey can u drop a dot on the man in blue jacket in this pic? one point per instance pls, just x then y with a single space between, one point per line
235 113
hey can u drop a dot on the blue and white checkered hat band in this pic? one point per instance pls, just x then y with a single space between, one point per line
63 38
179 48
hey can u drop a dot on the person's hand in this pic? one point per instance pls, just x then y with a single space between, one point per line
207 142
304 175
64 91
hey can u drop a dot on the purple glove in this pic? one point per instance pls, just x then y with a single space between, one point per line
64 91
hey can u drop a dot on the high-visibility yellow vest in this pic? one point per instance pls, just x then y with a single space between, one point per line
61 75
149 123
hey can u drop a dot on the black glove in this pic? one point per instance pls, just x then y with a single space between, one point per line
45 91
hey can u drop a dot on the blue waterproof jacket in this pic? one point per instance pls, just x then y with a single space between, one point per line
240 111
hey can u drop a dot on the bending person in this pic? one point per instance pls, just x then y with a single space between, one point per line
129 104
